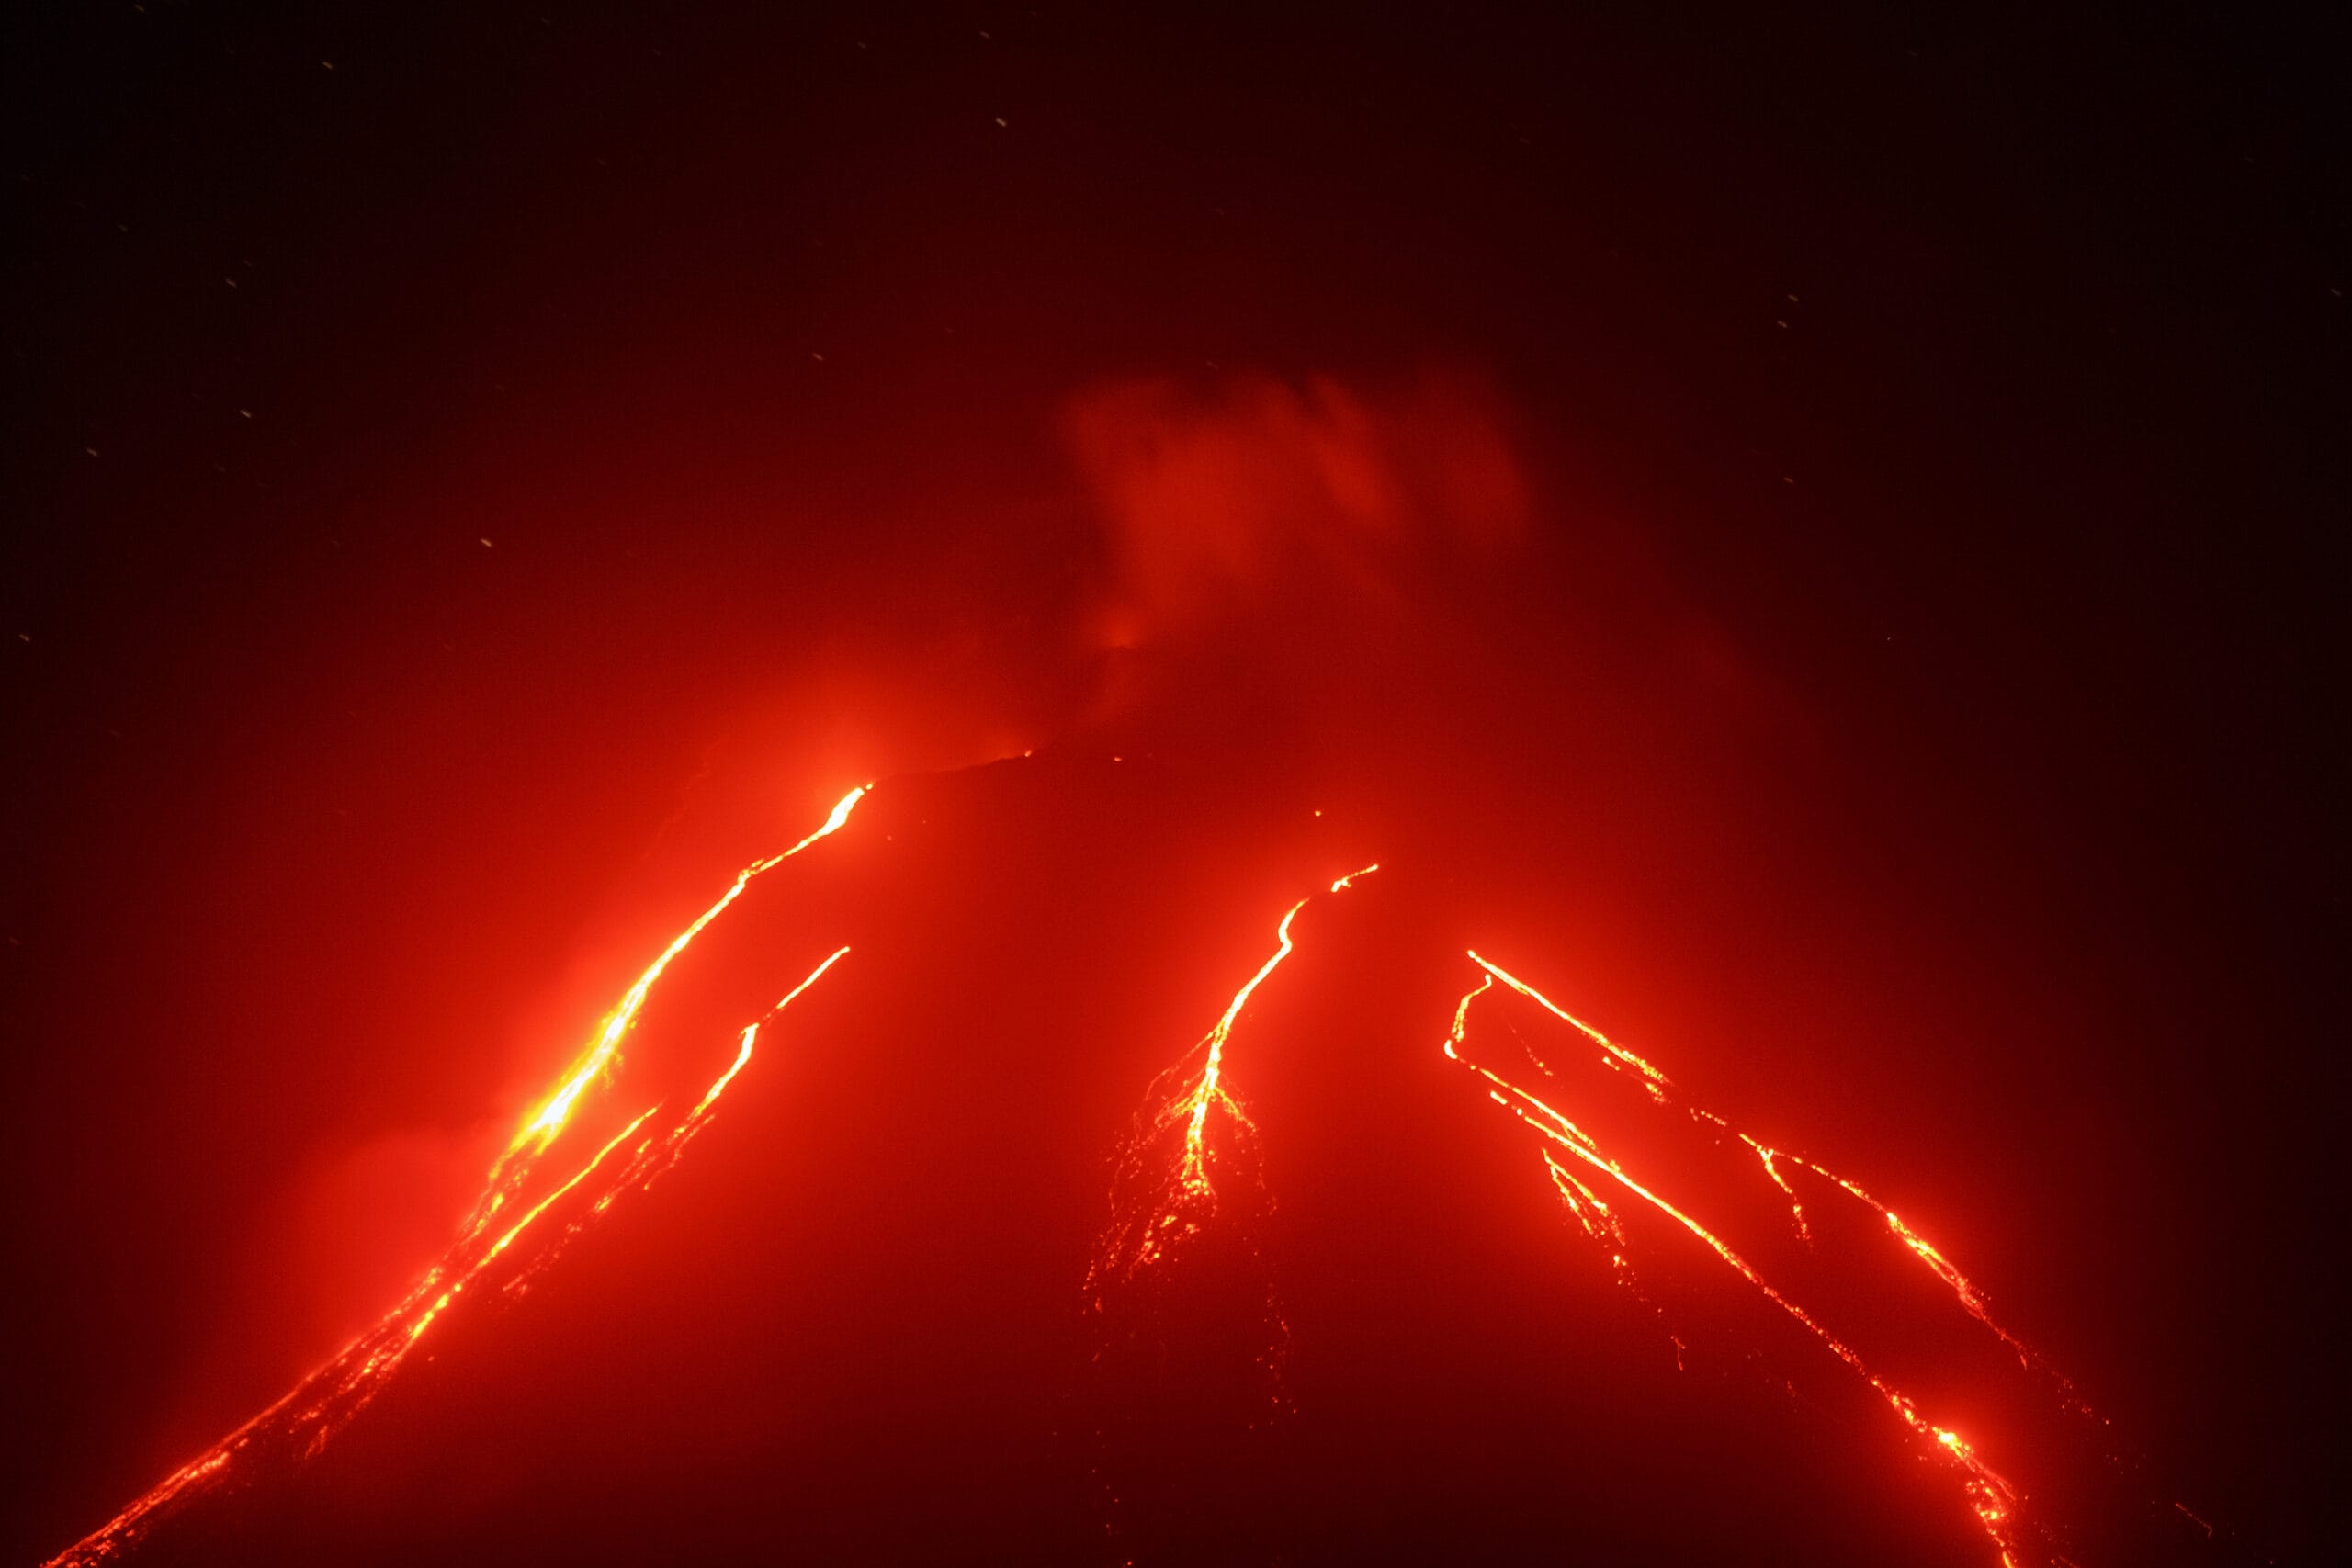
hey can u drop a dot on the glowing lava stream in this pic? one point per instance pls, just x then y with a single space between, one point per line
301 1424
1991 1496
1162 1195
541 1129
1963 1291
1183 1202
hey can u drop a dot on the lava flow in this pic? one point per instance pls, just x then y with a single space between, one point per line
1156 1204
1192 1337
1177 1286
1580 1167
301 1422
1655 1083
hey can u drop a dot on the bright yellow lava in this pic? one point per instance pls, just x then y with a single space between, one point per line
1178 1201
301 1422
541 1128
1991 1496
1195 1172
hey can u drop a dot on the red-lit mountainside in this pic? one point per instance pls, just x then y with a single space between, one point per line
1150 1166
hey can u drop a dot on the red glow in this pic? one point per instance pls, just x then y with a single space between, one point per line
1213 503
1184 1096
310 1414
1195 1147
1999 1505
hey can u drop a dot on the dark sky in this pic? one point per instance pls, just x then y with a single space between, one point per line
1858 594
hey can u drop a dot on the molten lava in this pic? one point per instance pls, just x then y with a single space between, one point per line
1187 1188
1183 1094
2001 1507
301 1422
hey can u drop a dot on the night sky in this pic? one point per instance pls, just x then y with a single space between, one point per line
1818 538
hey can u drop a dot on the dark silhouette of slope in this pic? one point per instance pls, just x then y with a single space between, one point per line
851 1326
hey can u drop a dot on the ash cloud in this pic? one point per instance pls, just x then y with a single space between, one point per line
1258 493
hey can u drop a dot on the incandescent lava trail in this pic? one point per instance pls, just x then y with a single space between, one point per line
1191 1336
525 1187
1657 1084
1182 1252
1155 1205
1582 1169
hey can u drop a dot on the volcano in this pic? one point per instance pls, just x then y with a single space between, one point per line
928 1273
1158 785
